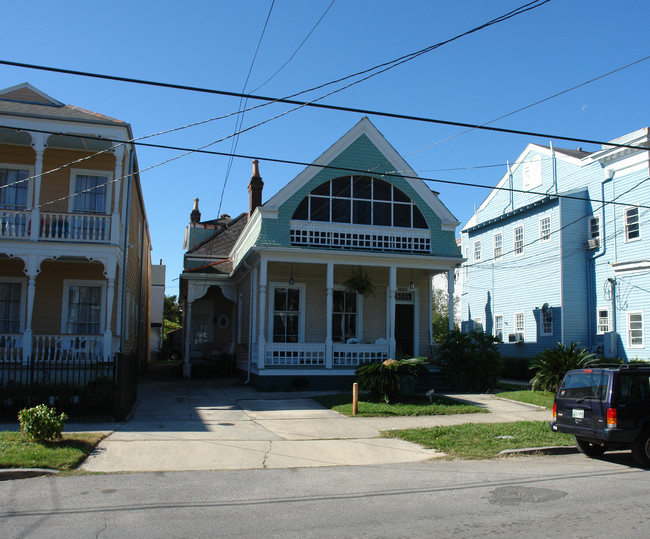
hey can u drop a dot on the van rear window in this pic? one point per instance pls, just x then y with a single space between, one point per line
585 385
635 387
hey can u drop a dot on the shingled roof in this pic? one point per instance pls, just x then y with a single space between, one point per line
25 100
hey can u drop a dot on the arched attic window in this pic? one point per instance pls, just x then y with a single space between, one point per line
360 200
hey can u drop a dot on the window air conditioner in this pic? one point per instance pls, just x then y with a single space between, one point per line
593 243
519 337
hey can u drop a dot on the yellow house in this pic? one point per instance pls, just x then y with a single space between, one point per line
74 243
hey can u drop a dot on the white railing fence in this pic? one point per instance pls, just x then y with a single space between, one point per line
75 227
294 354
67 348
353 355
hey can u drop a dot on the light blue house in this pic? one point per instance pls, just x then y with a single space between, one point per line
548 261
272 286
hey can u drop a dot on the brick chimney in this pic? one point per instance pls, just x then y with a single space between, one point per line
195 216
255 189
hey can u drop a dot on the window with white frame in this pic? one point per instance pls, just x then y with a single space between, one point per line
345 315
594 228
635 330
602 325
89 192
498 246
477 251
82 307
13 188
519 240
545 229
547 321
478 323
498 327
288 311
11 305
632 230
520 325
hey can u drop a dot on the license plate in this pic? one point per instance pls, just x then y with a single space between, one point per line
578 413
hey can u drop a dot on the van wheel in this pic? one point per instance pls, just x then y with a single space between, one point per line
589 448
641 449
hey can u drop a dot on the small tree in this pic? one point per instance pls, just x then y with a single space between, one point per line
171 315
553 363
440 314
471 360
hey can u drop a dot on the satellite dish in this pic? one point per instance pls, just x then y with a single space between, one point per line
545 307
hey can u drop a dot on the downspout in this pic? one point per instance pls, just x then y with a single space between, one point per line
591 263
125 244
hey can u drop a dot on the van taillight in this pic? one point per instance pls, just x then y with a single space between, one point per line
554 411
611 417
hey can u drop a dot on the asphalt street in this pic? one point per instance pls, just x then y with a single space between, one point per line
548 496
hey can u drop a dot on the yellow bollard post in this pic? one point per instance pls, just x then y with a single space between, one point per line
355 398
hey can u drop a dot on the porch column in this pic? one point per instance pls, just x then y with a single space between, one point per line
329 348
187 324
392 288
108 334
39 145
261 340
115 219
31 270
450 292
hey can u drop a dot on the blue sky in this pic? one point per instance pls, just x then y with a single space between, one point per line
212 43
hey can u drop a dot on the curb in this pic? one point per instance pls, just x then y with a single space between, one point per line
536 406
24 473
549 450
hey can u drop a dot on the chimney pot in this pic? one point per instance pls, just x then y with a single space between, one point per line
195 216
255 187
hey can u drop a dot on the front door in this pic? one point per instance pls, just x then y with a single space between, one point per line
404 328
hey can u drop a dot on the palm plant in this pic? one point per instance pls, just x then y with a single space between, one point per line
552 364
382 380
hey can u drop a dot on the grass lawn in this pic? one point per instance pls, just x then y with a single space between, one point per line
64 455
410 405
483 441
540 398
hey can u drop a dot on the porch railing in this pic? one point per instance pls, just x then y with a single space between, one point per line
14 224
353 355
343 355
295 354
75 227
63 348
11 347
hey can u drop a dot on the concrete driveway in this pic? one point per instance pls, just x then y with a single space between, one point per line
179 425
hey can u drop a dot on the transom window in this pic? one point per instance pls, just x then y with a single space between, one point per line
545 229
632 231
13 188
360 200
498 246
344 315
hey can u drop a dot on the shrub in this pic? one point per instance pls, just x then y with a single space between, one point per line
41 423
383 379
516 368
552 364
471 360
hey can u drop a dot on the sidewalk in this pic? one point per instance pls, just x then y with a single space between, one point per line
180 425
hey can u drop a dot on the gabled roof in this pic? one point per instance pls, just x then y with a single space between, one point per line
25 100
215 249
394 165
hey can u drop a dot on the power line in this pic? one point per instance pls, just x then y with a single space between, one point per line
347 170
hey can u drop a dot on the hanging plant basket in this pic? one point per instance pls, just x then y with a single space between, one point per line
360 283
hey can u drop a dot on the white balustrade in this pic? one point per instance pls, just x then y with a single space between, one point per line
11 347
298 354
73 227
353 355
14 224
73 348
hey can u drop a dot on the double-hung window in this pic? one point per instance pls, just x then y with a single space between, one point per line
478 323
498 246
545 229
520 326
594 228
89 193
13 188
632 230
477 251
498 327
82 307
288 310
635 337
11 305
344 315
547 321
603 321
519 240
